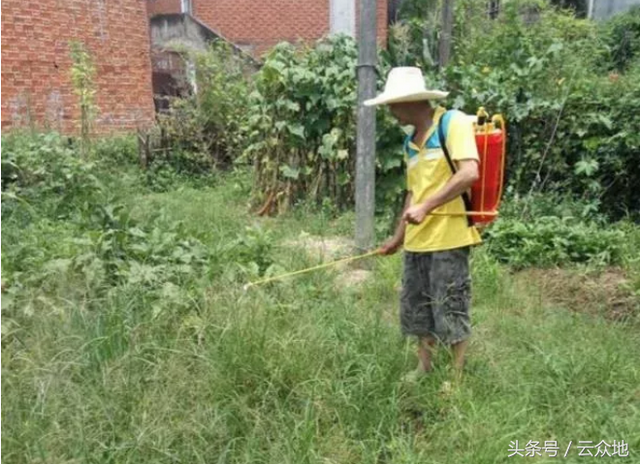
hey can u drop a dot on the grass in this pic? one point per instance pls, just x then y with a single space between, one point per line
303 371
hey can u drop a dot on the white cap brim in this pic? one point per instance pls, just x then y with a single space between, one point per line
384 99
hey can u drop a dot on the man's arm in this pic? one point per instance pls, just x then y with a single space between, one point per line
395 242
459 183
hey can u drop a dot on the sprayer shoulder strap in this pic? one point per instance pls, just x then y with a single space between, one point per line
443 128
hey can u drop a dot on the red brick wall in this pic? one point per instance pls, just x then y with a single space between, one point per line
260 24
155 7
36 85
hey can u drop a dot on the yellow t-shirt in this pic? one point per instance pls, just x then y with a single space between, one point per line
427 172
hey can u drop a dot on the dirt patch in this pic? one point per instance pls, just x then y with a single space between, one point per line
329 249
606 292
324 248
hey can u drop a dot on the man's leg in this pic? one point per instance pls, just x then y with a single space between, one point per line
415 310
451 287
458 351
426 347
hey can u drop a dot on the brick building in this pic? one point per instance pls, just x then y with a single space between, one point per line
36 36
36 84
257 25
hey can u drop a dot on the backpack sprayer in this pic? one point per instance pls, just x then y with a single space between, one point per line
491 140
484 199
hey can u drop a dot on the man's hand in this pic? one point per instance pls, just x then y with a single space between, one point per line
416 213
391 246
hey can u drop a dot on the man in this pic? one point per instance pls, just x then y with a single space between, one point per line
434 230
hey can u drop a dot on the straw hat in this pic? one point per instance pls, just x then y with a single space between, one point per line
405 84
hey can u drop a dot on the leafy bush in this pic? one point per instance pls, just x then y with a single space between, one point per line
66 227
623 38
205 130
45 170
151 252
155 263
529 207
553 230
302 125
524 32
301 115
115 152
253 249
180 169
97 248
551 241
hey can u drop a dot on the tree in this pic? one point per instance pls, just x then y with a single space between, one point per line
447 30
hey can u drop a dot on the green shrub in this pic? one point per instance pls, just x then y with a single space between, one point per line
153 252
300 129
302 125
115 152
554 241
557 230
205 130
107 247
525 32
253 249
528 207
64 221
623 39
45 171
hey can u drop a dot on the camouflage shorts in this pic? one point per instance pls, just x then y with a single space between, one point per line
436 294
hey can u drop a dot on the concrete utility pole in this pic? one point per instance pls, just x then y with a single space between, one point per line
445 36
366 137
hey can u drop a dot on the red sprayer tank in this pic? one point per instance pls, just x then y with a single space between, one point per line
487 190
